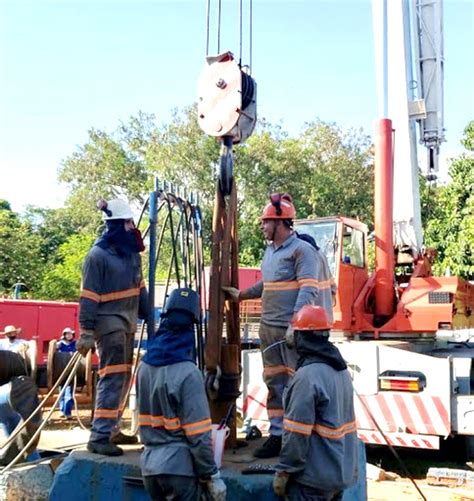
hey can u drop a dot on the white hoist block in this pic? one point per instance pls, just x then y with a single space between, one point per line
221 110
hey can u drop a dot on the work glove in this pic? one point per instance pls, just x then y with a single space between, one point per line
279 483
86 342
216 487
233 292
290 336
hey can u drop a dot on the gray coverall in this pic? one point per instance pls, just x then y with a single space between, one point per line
293 275
320 446
175 427
113 295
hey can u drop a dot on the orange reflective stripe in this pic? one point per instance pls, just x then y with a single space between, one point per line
170 424
277 369
308 282
335 433
114 296
115 369
281 286
106 413
111 296
311 282
90 295
297 427
275 412
326 284
197 427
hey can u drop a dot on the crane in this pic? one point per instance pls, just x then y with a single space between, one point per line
410 71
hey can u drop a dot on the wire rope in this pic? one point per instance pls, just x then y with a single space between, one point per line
219 27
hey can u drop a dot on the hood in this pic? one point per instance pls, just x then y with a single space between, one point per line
170 346
317 349
124 242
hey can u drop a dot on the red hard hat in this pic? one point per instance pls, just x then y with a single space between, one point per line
311 318
280 207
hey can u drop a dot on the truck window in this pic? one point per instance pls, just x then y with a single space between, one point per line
353 247
325 235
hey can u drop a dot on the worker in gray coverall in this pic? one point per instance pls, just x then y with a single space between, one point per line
319 455
174 416
293 274
113 295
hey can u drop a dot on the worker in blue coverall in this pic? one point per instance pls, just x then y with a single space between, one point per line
175 423
66 344
18 399
113 297
319 455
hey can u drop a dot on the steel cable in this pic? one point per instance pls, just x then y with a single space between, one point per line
22 425
45 422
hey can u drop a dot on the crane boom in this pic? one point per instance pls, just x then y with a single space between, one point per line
408 39
427 18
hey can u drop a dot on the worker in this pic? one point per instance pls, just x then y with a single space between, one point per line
319 456
66 344
174 416
12 341
18 399
290 272
113 295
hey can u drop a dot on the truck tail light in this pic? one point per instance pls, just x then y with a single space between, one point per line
402 381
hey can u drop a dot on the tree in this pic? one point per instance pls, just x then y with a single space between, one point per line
62 280
19 252
451 229
53 227
327 170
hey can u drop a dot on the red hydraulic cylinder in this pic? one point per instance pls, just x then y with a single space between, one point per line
383 207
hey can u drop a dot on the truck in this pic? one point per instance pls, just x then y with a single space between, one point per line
40 321
407 336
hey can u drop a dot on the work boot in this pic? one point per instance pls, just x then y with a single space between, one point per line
105 448
270 448
122 438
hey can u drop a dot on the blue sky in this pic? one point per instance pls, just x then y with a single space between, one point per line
67 66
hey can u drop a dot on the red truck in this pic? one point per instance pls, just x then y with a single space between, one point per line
40 321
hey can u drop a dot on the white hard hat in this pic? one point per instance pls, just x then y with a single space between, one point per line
115 209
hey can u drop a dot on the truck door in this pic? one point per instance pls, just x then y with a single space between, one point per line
352 273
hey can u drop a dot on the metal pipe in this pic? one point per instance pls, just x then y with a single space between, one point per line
153 215
383 207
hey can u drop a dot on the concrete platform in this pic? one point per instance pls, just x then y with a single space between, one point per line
84 476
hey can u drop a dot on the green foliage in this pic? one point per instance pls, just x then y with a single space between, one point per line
53 227
451 229
327 170
63 279
20 253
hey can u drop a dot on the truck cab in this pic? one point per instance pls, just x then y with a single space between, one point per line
344 243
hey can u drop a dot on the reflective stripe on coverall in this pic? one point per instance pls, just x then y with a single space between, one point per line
113 295
115 367
175 424
320 447
289 281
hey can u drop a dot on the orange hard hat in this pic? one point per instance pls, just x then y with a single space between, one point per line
311 318
280 207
